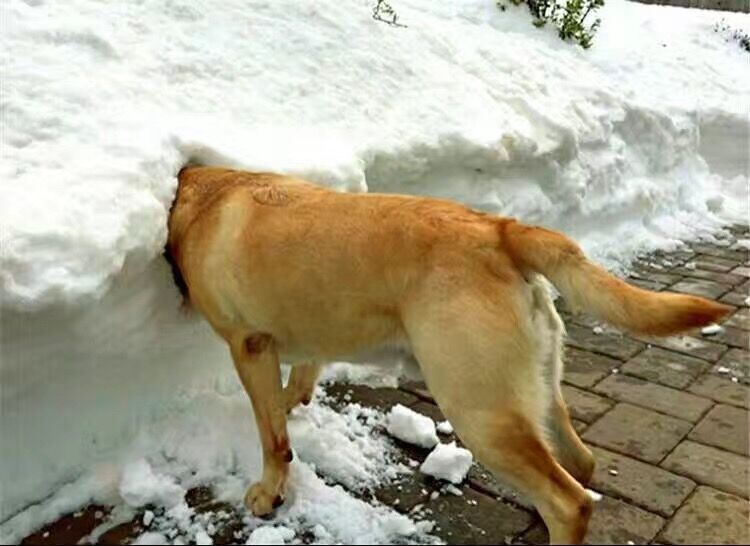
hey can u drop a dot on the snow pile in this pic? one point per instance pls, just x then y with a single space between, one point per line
270 535
448 462
210 439
141 486
629 146
154 539
444 427
411 427
343 446
711 329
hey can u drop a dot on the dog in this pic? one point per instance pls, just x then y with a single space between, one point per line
286 270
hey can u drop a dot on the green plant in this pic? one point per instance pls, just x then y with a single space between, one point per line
568 16
733 34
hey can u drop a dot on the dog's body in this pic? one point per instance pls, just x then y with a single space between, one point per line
287 270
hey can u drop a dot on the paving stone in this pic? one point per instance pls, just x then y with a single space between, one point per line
723 278
738 299
739 230
665 367
475 518
637 432
710 517
579 426
124 533
691 346
741 270
680 404
698 287
647 273
647 284
647 486
722 390
408 492
615 522
714 263
198 496
430 410
585 320
608 344
710 466
669 259
725 253
725 427
734 337
418 389
227 530
734 363
583 405
69 529
612 522
740 319
382 398
585 369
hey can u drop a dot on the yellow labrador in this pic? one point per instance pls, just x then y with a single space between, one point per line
287 270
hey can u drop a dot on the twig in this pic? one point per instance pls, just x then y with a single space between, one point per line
384 12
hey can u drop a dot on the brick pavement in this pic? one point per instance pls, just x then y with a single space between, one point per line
667 420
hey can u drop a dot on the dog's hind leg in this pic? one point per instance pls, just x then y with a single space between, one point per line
301 385
257 364
480 361
572 453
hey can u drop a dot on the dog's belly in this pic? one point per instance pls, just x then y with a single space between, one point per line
330 348
384 355
391 353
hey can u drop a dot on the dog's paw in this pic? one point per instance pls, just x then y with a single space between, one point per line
261 501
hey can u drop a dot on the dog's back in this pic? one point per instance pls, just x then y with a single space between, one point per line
327 273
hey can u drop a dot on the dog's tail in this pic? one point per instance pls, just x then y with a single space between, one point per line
588 287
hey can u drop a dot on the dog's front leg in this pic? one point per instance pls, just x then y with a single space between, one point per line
257 364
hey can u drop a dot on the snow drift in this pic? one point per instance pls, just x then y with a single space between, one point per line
630 146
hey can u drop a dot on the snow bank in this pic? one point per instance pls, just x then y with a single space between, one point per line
448 462
410 426
629 146
468 102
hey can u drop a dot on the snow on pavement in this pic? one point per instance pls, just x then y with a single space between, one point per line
411 427
629 146
448 462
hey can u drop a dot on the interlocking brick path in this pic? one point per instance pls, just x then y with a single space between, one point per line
667 420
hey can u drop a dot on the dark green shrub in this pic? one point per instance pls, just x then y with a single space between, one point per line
568 16
733 34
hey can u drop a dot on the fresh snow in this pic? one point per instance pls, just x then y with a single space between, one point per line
448 462
594 495
412 427
711 329
140 486
270 535
630 146
444 427
149 538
